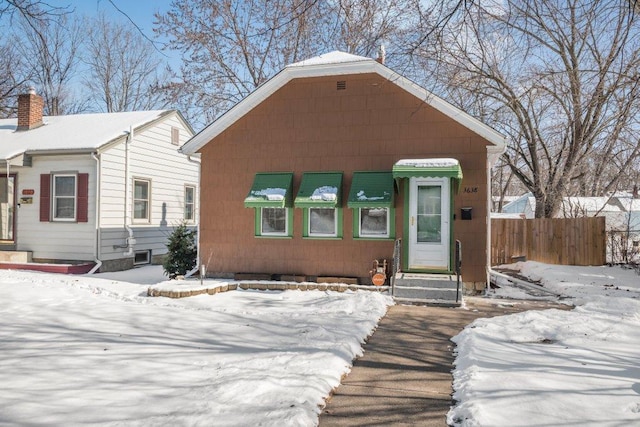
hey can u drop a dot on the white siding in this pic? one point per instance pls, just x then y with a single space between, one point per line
151 157
55 240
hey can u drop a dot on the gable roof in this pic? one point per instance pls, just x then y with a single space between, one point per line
73 133
333 64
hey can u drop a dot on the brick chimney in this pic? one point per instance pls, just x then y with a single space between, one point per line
381 54
30 108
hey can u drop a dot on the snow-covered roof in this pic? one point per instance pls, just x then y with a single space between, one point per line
428 163
505 215
589 204
335 57
78 132
333 64
629 204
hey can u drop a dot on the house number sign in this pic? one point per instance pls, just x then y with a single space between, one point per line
470 190
28 192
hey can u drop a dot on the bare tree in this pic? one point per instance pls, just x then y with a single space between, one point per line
14 75
52 47
124 70
362 26
561 78
231 47
32 11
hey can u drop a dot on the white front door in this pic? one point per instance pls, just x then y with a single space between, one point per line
429 240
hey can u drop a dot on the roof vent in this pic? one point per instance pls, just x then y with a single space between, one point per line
341 85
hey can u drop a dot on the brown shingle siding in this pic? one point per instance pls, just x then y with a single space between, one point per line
307 126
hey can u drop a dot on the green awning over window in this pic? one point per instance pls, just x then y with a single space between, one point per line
426 168
320 190
270 190
371 190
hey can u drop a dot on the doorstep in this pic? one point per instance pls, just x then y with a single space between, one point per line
49 268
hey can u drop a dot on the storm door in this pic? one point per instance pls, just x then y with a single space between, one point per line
429 227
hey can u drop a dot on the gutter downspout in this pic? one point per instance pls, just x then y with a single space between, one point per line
197 218
96 156
492 157
127 209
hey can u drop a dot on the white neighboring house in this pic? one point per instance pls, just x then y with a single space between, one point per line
93 188
620 209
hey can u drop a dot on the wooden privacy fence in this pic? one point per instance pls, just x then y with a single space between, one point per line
564 241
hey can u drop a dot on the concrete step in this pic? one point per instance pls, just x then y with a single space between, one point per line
430 289
15 256
425 293
446 281
428 302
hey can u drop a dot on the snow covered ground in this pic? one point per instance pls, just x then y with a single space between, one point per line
554 367
78 350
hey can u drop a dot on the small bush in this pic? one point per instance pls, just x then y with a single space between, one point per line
182 256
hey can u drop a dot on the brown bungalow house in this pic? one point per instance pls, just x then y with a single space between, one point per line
319 170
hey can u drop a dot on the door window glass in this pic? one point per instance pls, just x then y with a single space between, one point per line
429 215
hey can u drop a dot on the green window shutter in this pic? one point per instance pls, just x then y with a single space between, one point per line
371 190
270 190
320 190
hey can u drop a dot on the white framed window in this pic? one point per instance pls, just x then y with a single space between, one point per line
64 190
142 257
189 203
141 199
373 222
274 221
322 222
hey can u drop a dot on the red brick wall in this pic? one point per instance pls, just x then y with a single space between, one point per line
309 126
29 111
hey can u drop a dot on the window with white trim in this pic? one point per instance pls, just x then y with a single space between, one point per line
274 221
142 257
64 197
323 222
141 199
189 203
373 222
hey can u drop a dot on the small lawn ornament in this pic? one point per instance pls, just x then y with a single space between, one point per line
379 272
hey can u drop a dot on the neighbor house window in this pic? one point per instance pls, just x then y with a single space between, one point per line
189 203
141 199
64 197
142 257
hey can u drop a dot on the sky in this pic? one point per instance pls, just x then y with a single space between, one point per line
138 12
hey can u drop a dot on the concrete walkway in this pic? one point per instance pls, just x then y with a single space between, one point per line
404 377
